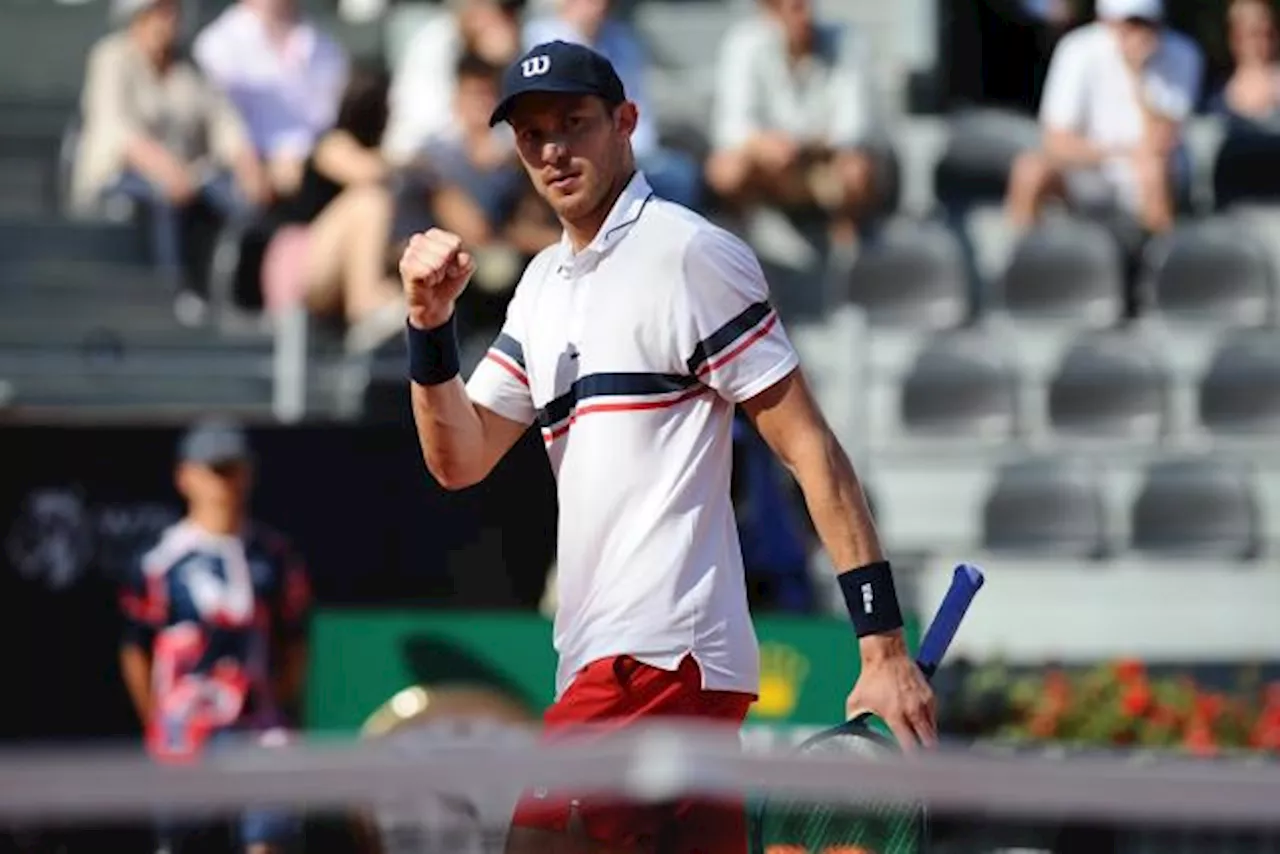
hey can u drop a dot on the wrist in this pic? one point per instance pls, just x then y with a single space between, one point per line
872 599
433 352
425 319
883 646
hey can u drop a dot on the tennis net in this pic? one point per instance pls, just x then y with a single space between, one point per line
450 787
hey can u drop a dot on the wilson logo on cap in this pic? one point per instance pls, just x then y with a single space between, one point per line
536 66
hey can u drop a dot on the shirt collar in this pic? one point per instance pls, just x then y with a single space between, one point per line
624 213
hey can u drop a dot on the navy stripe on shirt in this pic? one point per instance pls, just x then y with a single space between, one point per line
610 385
744 322
510 347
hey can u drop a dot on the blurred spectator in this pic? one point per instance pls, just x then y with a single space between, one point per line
1250 104
1117 95
480 190
1251 97
215 618
423 85
329 241
157 133
793 116
283 74
673 174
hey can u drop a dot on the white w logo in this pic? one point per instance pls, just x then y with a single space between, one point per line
535 66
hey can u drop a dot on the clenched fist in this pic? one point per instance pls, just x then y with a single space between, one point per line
434 271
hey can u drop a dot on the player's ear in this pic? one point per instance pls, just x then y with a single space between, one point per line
625 117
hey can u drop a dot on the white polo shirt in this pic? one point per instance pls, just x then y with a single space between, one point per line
631 355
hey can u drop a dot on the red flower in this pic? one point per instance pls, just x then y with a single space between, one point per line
1130 670
1136 699
1043 725
1209 706
1199 741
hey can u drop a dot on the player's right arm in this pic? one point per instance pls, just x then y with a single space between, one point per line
462 440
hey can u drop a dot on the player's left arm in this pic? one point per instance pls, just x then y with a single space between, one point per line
737 346
788 419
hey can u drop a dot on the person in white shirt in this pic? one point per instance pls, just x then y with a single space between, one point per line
630 342
425 80
1116 97
673 174
284 76
793 115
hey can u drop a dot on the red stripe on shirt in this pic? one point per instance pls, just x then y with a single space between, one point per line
500 360
550 436
755 336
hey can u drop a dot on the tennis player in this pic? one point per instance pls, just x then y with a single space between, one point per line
629 343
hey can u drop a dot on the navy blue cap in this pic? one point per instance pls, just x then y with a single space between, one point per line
214 441
558 66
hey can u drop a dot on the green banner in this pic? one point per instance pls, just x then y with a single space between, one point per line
360 659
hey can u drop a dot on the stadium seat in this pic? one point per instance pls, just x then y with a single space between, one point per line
1066 270
1213 272
1045 506
961 386
1109 385
1240 393
981 148
911 274
1196 507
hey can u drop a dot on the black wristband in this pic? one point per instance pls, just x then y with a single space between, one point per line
871 598
433 353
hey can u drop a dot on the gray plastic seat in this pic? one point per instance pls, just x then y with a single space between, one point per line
1197 507
1048 506
912 274
1067 269
981 147
1211 271
1109 385
960 386
1240 393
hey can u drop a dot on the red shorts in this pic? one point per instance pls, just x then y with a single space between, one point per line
611 694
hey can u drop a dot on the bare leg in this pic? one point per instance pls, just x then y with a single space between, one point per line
347 259
1033 181
742 180
1155 195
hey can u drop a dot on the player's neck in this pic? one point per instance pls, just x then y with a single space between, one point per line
216 520
582 232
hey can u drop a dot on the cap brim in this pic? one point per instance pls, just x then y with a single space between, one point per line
552 87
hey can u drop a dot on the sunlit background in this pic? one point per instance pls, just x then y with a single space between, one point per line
1082 399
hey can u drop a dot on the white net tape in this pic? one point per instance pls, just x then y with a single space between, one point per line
654 763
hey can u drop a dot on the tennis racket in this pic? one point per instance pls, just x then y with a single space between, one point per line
783 826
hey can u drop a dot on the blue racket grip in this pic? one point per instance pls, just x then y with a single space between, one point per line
965 584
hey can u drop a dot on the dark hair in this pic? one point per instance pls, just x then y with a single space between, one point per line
471 66
363 110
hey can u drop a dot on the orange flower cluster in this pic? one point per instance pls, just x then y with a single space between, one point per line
1122 704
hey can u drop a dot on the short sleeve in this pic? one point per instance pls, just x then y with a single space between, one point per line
143 605
851 98
1173 87
729 334
733 111
1062 105
500 381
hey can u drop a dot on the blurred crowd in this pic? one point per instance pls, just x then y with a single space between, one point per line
330 166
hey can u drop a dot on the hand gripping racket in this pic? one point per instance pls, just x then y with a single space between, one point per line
784 826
